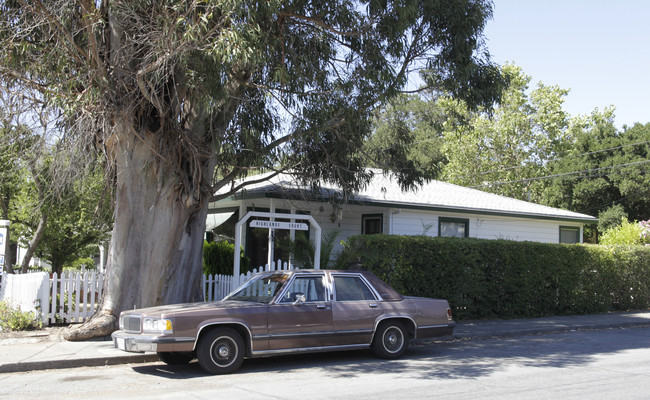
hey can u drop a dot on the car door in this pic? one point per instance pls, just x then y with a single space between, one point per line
301 324
355 308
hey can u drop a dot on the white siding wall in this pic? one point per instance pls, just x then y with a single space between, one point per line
481 226
413 222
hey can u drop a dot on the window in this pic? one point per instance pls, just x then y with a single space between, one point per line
312 287
569 234
372 223
453 227
351 288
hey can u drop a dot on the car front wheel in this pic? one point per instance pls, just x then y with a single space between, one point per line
220 351
391 340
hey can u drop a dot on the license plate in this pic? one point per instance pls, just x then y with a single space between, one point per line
120 343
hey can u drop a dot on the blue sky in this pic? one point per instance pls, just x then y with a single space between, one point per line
597 49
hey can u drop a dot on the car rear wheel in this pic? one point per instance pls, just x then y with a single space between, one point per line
176 358
391 340
220 351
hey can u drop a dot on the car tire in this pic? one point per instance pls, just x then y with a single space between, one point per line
220 351
391 340
176 358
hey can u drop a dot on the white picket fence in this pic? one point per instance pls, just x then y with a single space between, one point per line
74 296
216 287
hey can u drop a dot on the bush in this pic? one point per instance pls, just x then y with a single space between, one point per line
80 264
218 258
611 217
508 279
12 319
625 233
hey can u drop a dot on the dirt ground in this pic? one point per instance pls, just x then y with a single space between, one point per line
48 333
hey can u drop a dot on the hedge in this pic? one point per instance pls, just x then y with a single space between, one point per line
507 279
218 258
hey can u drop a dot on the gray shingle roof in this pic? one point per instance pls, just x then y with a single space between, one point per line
434 195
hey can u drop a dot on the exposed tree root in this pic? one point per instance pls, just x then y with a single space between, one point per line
99 325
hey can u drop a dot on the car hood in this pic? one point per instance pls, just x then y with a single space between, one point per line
178 309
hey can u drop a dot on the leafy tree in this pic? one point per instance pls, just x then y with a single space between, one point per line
603 169
503 152
77 223
611 217
408 135
183 98
18 151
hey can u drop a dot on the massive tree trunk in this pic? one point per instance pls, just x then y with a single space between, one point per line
156 247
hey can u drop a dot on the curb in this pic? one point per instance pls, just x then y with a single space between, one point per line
78 363
531 332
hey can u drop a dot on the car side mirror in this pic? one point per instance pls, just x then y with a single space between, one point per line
298 299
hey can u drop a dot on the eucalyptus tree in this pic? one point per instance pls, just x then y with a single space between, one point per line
184 97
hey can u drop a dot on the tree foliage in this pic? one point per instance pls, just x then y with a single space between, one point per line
626 233
503 152
184 97
78 223
408 136
604 168
275 84
527 147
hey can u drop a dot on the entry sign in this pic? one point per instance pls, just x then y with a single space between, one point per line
299 226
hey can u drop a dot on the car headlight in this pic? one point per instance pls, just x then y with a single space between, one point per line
157 325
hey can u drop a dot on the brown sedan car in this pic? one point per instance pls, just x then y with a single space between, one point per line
286 312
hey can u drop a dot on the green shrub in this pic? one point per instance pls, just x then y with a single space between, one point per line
625 233
80 264
12 319
507 279
611 217
218 258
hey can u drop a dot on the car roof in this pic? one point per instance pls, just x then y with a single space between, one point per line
385 291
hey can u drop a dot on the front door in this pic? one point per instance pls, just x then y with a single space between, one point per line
302 324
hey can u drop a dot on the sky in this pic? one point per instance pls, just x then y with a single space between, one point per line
597 49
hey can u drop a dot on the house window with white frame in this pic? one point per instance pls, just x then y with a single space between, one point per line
453 227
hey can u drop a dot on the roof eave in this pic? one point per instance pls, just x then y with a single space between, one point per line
300 195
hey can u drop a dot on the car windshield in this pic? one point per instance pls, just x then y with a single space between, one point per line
259 289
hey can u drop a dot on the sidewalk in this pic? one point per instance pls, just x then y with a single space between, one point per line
37 352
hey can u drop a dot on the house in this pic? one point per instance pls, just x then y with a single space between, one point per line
435 209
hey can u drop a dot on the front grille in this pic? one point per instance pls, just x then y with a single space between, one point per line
132 323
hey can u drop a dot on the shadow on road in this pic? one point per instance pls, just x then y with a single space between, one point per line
443 360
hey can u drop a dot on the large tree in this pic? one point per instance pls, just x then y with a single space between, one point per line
64 223
502 149
606 171
505 151
184 97
19 149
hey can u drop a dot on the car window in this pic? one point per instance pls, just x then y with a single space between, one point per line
260 289
312 287
350 288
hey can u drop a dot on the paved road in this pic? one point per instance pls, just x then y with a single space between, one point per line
595 364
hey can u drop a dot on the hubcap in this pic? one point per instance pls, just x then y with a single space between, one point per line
393 340
223 351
